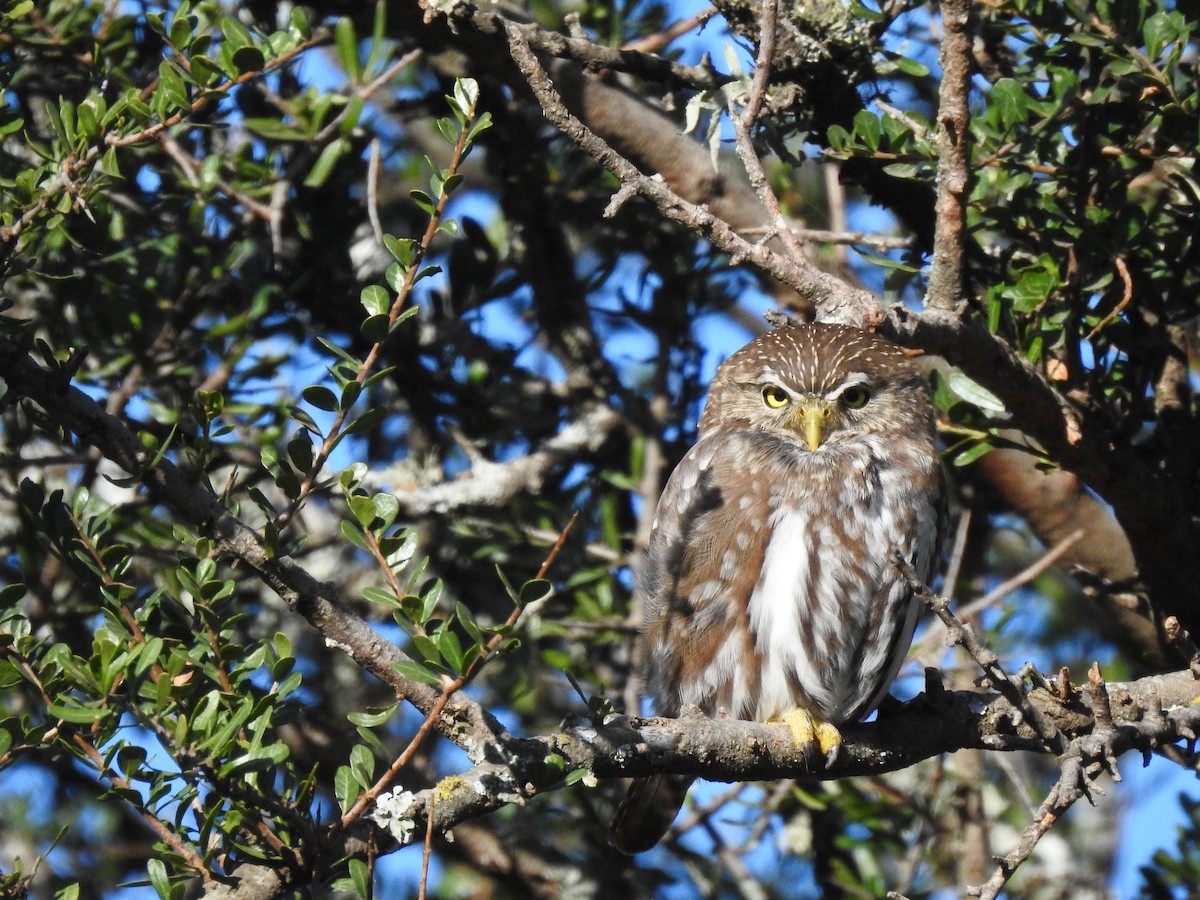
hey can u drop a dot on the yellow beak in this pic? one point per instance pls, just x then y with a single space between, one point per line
812 418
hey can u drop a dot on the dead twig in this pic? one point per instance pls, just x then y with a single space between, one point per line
1006 587
1179 638
1062 797
964 635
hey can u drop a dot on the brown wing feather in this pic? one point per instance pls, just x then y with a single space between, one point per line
700 569
649 808
685 626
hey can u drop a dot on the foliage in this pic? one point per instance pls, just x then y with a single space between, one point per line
392 331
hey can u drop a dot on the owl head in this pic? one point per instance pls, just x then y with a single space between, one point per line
818 385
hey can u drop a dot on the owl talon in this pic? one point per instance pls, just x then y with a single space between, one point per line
819 740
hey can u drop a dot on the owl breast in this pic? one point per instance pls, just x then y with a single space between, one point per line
829 618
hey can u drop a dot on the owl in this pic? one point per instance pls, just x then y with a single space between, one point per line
769 584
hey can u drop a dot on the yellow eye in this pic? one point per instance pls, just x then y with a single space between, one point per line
855 397
775 397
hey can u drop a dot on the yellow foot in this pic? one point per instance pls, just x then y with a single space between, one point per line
819 740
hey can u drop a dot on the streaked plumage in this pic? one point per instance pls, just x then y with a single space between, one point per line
768 583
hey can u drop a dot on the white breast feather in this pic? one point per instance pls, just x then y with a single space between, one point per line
780 595
775 617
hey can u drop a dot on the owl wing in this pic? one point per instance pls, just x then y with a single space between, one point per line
705 552
695 578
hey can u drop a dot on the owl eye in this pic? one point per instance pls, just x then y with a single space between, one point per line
855 397
775 397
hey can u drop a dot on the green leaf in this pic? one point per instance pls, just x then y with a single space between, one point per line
149 655
11 594
450 648
171 82
206 72
372 719
466 94
467 618
347 48
975 393
382 596
321 397
1161 29
838 138
326 162
235 33
77 715
300 21
910 66
157 870
362 764
300 451
248 59
427 647
403 249
360 876
354 535
375 328
375 299
387 507
971 454
867 129
1008 102
345 788
417 672
534 590
363 509
424 201
275 129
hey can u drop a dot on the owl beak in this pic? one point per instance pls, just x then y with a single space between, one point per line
813 417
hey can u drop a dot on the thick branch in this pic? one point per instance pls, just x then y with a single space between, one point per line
494 484
945 274
728 750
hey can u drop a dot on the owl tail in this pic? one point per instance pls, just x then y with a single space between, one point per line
649 808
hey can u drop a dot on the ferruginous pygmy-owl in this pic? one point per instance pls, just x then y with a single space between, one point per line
770 587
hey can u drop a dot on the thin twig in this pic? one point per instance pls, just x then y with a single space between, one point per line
403 294
428 850
1025 576
965 636
1062 797
1002 590
810 282
1126 296
75 169
660 40
85 748
957 551
743 123
374 165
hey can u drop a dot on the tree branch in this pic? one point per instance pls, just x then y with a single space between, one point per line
954 121
494 484
729 750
